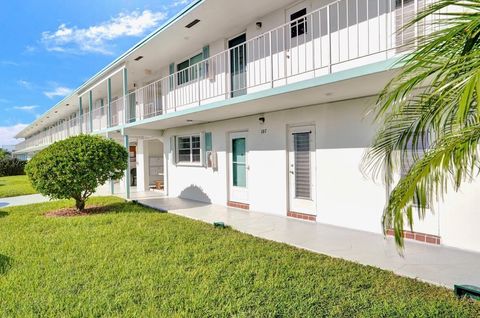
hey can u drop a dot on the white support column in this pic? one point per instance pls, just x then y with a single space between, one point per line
143 172
126 143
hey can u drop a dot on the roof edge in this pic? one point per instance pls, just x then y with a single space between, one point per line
118 60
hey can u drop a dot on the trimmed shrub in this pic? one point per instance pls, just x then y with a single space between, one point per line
4 154
11 167
76 167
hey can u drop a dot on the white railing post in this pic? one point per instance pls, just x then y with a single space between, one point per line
109 102
198 83
329 31
125 94
271 57
174 92
228 74
155 102
416 23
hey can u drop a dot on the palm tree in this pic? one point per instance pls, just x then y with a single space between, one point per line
429 115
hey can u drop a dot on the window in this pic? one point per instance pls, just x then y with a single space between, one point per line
185 73
411 156
299 26
414 153
188 149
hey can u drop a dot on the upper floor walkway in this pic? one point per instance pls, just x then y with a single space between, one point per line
317 40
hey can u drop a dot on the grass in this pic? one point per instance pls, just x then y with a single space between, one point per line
134 262
15 186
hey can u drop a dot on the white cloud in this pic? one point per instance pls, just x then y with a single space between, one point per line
59 91
8 63
7 134
27 108
97 37
30 49
25 84
180 3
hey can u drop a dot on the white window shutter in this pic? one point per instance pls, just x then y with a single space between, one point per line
173 149
202 149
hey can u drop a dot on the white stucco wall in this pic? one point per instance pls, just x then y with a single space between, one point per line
344 197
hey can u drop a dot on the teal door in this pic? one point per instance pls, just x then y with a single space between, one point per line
238 167
132 107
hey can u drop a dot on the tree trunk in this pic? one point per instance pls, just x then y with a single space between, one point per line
80 204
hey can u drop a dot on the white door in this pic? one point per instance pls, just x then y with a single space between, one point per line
301 169
238 161
299 40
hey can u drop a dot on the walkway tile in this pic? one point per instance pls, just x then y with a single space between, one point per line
435 264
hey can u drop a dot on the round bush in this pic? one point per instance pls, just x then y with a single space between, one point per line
76 167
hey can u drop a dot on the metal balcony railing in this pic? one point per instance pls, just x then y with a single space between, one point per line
335 37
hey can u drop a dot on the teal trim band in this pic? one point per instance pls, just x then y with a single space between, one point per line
90 111
127 173
373 68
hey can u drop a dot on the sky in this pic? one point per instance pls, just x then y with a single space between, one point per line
50 47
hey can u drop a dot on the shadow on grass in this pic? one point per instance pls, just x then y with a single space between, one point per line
5 264
99 209
3 213
128 207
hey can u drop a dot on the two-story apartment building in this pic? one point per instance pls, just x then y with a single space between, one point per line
258 105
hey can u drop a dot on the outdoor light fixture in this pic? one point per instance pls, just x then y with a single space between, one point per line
259 24
220 225
261 120
469 291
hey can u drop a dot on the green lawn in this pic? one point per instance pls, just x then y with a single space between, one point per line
135 262
15 186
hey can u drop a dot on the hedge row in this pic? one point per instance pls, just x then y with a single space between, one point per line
12 167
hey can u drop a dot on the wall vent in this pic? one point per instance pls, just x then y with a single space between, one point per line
191 24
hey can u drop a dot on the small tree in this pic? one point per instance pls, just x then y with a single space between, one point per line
76 167
4 153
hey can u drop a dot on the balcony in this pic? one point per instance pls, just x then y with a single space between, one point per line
339 36
335 37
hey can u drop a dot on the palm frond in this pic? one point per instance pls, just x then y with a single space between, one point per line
435 97
451 160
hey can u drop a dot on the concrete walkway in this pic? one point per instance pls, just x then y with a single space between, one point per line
434 264
38 198
22 200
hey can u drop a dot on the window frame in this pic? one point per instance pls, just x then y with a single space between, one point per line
298 23
412 156
191 148
190 76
